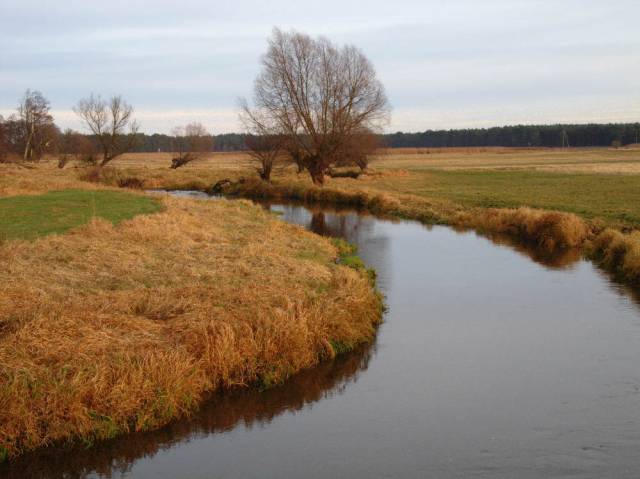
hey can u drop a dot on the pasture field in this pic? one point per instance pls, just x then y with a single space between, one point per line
597 183
593 183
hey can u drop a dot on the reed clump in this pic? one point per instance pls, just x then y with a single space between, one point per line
617 252
113 329
549 230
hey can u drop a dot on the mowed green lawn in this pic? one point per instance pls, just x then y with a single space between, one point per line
612 197
30 217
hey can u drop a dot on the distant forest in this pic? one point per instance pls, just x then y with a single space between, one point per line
520 135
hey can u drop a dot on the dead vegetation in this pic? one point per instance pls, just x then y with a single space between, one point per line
619 253
125 328
550 230
377 191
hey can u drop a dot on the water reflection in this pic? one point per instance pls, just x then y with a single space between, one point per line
347 223
556 260
221 413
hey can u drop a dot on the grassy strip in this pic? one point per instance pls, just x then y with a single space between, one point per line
126 327
34 216
613 197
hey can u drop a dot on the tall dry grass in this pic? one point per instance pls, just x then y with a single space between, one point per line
618 252
108 330
550 230
219 413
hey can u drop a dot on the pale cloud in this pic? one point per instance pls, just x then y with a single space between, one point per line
445 63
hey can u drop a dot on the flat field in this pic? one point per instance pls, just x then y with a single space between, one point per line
594 183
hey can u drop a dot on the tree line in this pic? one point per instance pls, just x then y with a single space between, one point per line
315 104
561 135
575 135
31 132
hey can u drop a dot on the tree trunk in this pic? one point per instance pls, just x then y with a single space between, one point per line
28 147
265 173
317 176
316 170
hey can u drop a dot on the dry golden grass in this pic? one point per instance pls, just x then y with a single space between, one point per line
38 178
619 253
565 235
550 230
110 329
597 160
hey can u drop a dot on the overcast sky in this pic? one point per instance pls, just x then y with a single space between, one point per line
444 63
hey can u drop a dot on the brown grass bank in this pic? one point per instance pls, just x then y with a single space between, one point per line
617 252
113 329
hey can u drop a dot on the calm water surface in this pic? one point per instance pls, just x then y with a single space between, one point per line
489 364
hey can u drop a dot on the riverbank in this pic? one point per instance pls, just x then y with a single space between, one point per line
110 329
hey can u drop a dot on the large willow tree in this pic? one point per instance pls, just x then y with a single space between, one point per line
317 96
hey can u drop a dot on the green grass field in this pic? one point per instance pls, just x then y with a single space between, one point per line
612 197
33 216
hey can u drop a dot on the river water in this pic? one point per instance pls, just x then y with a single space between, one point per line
493 361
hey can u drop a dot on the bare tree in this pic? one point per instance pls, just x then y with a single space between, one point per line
266 151
13 137
358 149
295 154
111 122
265 143
38 130
318 96
74 146
190 143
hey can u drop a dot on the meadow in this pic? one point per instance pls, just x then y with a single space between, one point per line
122 309
595 183
555 199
